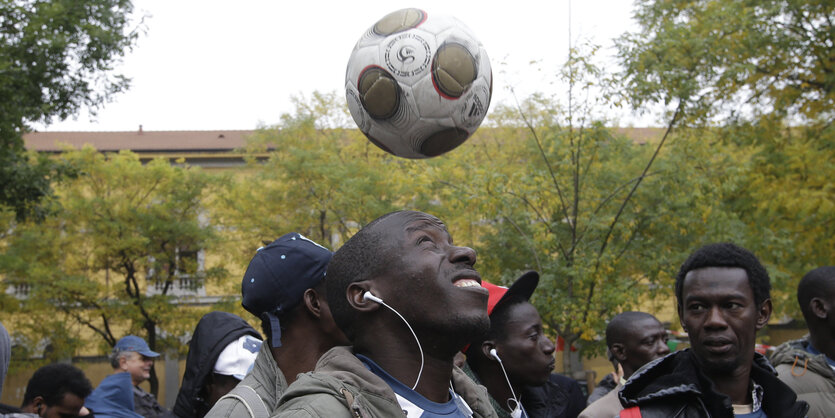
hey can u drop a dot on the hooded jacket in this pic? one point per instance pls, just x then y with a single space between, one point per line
266 379
113 398
674 386
213 333
341 386
808 375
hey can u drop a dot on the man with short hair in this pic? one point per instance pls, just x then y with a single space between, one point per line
723 298
409 300
807 365
132 355
634 339
284 286
56 391
515 359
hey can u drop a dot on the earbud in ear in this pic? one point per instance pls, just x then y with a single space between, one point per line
495 355
370 296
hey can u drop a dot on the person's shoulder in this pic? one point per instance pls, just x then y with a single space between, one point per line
786 352
320 405
606 406
228 407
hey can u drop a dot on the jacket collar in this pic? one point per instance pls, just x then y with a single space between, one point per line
677 375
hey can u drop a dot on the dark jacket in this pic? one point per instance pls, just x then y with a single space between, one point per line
559 397
674 386
213 333
113 398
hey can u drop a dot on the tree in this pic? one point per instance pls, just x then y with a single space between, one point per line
734 59
758 78
597 214
121 235
318 178
56 57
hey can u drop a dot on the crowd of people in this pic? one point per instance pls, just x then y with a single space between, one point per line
398 323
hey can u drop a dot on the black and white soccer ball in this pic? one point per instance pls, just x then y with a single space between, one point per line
418 85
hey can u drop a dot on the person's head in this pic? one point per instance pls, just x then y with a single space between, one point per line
816 296
635 339
131 354
723 294
57 391
286 279
407 259
516 336
231 367
221 351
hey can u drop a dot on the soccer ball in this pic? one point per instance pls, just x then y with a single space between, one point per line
418 85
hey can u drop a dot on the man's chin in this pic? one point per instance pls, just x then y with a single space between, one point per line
464 330
720 366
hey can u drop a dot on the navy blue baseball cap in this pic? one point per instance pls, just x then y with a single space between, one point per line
279 274
134 343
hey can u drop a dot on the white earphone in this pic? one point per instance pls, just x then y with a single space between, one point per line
370 296
513 403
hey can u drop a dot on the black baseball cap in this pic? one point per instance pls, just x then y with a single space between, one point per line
279 274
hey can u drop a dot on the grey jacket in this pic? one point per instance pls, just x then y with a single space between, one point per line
342 387
808 375
146 405
265 378
607 406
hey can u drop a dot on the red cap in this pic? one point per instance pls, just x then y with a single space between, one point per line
522 287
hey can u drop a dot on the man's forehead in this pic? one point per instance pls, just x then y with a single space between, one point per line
412 221
644 325
423 223
707 279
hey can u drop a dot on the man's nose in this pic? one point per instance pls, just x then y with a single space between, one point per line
465 255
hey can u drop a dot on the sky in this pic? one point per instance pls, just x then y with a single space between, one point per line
220 65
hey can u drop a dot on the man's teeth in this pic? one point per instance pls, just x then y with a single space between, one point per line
467 283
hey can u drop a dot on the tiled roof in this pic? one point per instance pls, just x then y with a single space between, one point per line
195 141
139 141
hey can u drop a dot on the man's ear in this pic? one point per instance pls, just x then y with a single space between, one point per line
764 313
38 404
818 308
486 346
313 302
618 352
355 292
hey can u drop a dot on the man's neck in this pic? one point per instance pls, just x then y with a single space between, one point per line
493 379
294 358
736 386
434 378
823 342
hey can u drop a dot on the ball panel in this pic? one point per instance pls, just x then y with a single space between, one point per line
408 55
399 21
379 92
443 141
453 70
